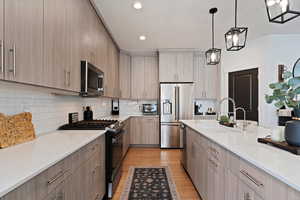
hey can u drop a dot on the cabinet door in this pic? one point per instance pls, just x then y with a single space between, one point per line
111 78
212 81
57 43
136 130
77 10
24 192
168 67
150 131
215 180
199 76
185 66
101 47
24 41
137 77
125 76
116 73
190 152
1 39
293 194
231 186
126 137
151 78
200 168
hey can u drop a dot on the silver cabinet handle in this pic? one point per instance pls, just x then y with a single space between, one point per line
56 177
97 197
247 196
213 162
2 56
13 51
251 178
69 78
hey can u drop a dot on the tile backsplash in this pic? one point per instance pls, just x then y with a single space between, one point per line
133 107
49 111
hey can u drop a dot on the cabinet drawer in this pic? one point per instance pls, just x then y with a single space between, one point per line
57 194
247 193
90 149
232 163
50 179
253 177
217 153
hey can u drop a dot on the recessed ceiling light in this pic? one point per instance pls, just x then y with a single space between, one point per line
142 37
137 5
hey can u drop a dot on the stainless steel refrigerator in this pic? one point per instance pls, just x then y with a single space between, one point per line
176 103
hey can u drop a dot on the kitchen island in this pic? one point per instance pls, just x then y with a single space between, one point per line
226 163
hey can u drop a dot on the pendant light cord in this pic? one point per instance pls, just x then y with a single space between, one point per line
213 31
235 14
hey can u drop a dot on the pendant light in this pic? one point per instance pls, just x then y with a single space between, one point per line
213 55
236 37
281 11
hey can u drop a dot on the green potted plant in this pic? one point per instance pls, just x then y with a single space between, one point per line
285 94
225 120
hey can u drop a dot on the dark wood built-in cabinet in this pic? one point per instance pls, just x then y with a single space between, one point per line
243 88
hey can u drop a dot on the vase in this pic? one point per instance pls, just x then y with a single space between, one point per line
292 130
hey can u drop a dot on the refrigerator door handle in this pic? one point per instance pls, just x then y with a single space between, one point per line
177 103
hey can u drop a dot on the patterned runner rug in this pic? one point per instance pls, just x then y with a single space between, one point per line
150 183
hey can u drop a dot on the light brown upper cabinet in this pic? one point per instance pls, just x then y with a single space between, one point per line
176 67
24 40
1 39
125 76
57 44
111 74
45 40
206 79
144 77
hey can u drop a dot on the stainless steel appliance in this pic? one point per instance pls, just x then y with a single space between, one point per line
149 109
114 157
91 80
176 103
113 147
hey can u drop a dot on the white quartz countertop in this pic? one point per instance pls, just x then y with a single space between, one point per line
20 163
276 162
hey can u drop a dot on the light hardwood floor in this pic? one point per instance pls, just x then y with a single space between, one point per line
157 157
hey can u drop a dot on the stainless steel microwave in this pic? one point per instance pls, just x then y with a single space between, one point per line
91 80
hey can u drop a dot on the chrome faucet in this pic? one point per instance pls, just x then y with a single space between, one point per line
244 122
234 106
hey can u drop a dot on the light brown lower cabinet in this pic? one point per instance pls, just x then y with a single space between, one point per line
144 130
221 175
77 177
126 137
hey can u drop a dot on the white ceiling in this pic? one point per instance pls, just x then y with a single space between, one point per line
184 23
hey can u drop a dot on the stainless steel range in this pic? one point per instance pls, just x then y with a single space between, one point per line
114 147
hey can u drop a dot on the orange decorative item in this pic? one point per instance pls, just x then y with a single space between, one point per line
16 129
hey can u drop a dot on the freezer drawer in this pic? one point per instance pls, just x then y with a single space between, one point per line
170 135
